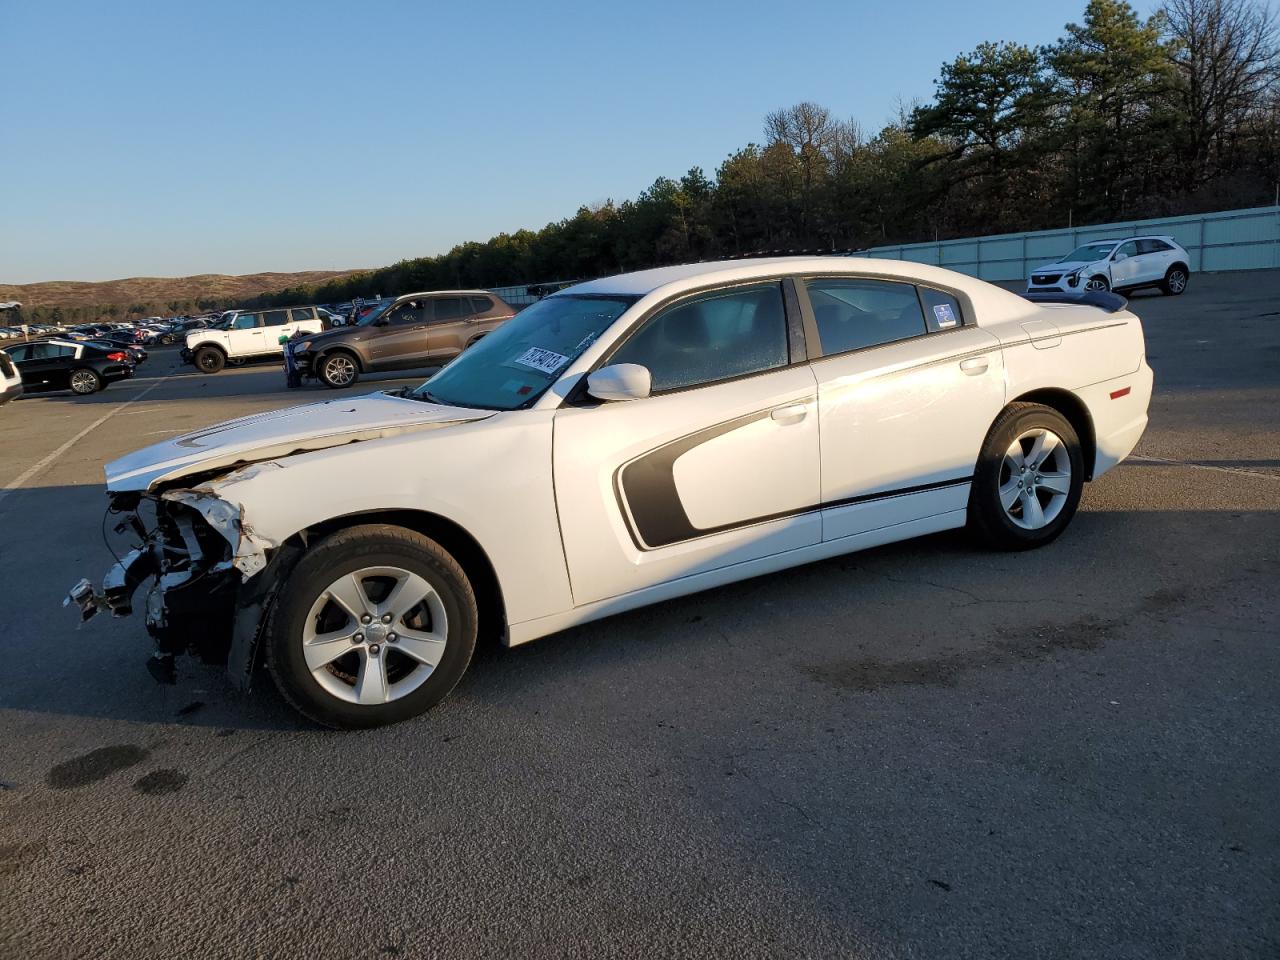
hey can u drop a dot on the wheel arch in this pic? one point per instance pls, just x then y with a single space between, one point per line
1077 414
1186 268
456 539
209 345
354 354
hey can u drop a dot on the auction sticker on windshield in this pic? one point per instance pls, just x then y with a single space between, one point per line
544 361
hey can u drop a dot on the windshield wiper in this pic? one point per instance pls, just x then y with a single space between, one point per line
428 397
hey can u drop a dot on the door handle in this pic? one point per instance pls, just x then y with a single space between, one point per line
792 413
974 366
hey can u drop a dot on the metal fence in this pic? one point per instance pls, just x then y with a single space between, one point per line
1228 240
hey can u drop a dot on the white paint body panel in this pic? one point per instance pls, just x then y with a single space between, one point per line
538 489
593 443
903 415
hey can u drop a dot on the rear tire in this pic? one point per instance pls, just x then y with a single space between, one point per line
341 671
1029 479
1175 281
85 381
210 360
338 369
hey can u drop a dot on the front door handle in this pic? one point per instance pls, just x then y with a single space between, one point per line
792 413
974 366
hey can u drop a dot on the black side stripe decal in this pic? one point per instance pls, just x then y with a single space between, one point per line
657 518
648 485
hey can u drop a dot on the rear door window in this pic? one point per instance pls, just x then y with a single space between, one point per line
481 304
275 318
449 308
855 314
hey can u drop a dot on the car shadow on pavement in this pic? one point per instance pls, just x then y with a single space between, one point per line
880 611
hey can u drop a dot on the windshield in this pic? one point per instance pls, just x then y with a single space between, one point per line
375 311
513 366
1089 252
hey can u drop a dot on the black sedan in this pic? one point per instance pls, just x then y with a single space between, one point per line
112 343
61 364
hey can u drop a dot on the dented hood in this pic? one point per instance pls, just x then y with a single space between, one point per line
280 433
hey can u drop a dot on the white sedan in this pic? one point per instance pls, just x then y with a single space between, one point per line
619 443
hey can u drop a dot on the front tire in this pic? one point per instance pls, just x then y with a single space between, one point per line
210 360
1029 478
85 381
376 624
338 370
1098 283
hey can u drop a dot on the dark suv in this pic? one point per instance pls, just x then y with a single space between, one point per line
415 330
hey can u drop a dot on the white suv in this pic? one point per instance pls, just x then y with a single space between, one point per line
250 336
10 380
1119 265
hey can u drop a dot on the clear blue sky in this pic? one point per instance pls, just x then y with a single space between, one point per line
165 139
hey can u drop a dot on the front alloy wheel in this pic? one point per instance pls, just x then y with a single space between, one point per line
374 635
374 625
1098 283
338 370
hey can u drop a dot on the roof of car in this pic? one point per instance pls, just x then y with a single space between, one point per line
690 276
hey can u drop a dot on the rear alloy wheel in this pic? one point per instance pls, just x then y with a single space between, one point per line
1098 283
85 381
1029 478
376 624
1175 282
338 370
210 359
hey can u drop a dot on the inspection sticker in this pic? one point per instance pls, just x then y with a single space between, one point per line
544 361
945 317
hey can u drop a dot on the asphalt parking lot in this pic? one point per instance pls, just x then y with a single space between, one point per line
924 750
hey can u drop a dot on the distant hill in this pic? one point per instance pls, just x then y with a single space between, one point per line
156 293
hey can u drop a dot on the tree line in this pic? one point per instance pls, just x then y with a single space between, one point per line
1120 118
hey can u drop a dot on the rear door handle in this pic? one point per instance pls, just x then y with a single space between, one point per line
792 413
974 366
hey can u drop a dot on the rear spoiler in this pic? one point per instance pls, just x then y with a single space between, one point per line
1102 299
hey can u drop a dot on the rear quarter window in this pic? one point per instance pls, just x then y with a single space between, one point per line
941 310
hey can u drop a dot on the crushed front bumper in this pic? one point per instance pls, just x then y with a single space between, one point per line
200 557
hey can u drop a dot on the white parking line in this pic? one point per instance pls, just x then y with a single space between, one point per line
48 461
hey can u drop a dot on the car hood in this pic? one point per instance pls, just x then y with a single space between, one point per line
1066 266
346 334
280 433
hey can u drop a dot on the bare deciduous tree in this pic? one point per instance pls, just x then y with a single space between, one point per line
1227 61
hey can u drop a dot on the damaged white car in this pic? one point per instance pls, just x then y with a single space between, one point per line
619 443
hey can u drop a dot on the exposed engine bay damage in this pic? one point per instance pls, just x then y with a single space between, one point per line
197 547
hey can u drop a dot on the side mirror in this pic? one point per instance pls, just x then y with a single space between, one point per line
1120 256
620 381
